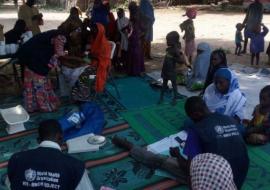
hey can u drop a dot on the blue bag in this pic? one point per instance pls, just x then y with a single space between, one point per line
89 118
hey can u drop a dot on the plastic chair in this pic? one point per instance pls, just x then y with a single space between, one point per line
110 75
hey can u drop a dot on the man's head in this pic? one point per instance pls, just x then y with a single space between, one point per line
30 3
50 130
265 97
196 108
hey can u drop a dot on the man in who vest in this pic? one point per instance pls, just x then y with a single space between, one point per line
46 167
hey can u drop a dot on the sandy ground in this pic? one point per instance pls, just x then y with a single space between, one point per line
218 29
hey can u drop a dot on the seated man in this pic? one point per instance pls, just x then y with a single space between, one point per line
210 133
46 167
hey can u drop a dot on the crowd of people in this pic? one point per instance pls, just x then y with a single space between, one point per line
81 51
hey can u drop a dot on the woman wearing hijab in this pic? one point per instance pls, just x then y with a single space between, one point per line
26 12
39 55
86 88
100 12
200 65
210 171
14 35
135 46
73 26
147 11
224 96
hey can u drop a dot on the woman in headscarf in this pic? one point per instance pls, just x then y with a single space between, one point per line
93 78
100 12
14 35
27 12
210 171
200 66
73 26
135 48
224 96
39 55
147 11
218 60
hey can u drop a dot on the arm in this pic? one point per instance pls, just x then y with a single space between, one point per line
11 167
192 147
85 183
72 62
246 17
265 30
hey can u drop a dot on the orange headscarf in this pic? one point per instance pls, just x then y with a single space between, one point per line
101 49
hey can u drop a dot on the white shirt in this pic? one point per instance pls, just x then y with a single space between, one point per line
85 182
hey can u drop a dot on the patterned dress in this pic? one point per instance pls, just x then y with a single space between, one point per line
38 89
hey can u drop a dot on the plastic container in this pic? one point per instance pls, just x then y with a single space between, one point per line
15 117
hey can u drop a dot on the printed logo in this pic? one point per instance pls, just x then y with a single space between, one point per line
30 175
219 129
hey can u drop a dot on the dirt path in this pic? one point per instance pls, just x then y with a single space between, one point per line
218 29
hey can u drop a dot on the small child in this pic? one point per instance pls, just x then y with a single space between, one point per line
173 56
122 23
268 53
258 130
189 35
257 42
238 38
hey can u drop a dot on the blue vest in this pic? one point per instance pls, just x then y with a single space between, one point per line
44 168
220 135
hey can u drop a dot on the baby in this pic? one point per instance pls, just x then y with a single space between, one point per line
238 38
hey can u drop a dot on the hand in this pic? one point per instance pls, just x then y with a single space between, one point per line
175 152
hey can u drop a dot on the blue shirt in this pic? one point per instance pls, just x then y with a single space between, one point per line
220 135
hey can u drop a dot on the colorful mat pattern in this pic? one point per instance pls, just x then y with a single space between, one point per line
136 92
147 123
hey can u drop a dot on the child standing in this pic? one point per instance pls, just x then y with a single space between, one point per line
257 42
238 38
258 129
173 56
122 42
189 35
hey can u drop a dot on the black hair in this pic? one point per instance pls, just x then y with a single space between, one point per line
221 53
195 104
173 38
266 89
20 26
48 129
133 11
74 11
120 10
31 2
